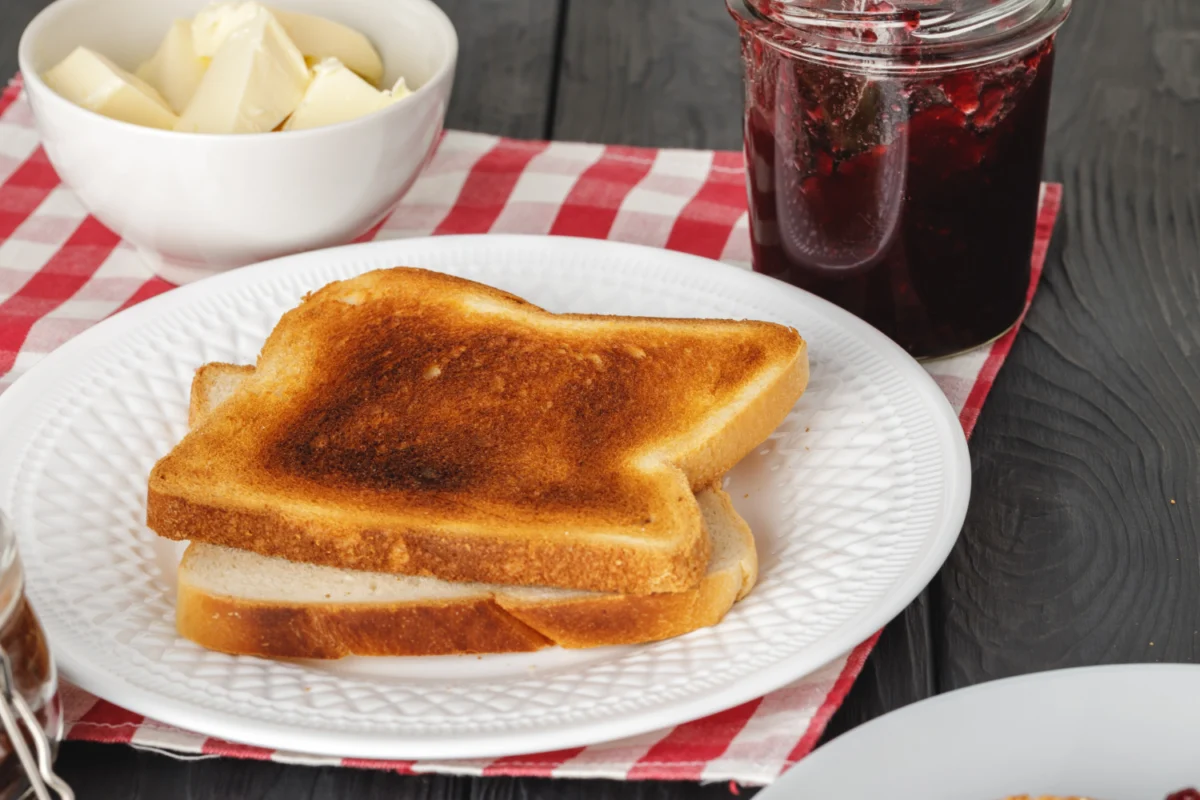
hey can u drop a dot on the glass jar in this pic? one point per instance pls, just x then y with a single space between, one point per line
26 670
894 156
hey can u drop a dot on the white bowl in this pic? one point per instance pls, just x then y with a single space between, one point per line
195 204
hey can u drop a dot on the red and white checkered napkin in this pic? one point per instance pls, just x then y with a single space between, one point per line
61 271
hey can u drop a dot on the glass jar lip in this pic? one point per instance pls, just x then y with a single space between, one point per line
904 36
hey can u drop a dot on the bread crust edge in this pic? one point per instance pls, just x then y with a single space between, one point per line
495 622
332 631
596 565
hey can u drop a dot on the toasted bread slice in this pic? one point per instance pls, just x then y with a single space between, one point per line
212 385
243 603
410 422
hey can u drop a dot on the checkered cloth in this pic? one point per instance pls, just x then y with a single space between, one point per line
61 271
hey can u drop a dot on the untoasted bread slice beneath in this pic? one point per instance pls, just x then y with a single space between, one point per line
242 603
247 604
415 423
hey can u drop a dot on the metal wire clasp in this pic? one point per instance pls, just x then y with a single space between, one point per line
13 712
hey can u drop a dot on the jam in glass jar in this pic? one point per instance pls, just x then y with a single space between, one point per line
894 156
28 688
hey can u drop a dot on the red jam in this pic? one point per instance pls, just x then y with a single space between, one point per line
908 198
1186 794
22 638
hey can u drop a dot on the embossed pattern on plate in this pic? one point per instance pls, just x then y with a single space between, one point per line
855 501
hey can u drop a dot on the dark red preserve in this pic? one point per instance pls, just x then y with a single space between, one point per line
34 678
894 156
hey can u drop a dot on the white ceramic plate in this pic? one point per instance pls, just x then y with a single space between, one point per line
855 501
1110 733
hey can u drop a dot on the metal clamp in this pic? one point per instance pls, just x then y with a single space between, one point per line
40 773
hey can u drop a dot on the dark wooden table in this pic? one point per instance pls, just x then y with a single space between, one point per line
1080 546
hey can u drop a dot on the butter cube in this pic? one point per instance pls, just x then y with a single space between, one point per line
336 94
175 70
212 26
400 90
316 37
89 79
319 38
256 79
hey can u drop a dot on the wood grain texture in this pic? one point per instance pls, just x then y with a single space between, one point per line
665 73
544 789
1081 544
506 65
14 16
899 671
110 772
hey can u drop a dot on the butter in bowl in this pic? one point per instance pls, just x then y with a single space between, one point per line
236 67
213 136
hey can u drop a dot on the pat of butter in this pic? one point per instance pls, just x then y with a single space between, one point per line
316 37
319 38
175 70
256 79
337 94
212 26
89 79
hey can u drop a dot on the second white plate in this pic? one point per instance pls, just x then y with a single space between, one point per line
855 502
1125 732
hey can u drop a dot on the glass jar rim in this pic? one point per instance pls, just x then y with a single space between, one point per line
902 36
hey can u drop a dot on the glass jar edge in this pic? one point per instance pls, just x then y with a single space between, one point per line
895 62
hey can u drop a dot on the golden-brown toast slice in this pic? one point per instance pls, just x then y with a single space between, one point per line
244 603
410 422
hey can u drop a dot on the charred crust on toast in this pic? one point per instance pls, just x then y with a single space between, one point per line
506 417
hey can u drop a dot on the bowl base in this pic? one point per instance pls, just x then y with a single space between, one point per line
179 270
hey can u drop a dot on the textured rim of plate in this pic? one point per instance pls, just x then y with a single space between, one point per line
19 399
1016 693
